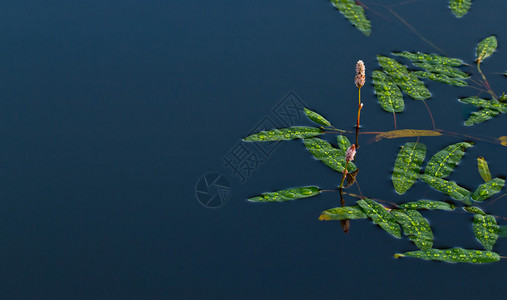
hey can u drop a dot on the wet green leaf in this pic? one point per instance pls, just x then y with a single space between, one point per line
460 7
415 227
486 47
487 189
449 71
502 231
354 13
441 78
427 204
407 81
380 216
454 255
490 104
343 142
485 230
444 161
448 187
482 165
323 151
474 210
407 166
288 194
343 213
430 58
315 117
283 134
388 94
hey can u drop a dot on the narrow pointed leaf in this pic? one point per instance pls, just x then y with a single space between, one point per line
415 227
283 134
393 134
448 187
485 230
343 213
354 13
486 47
454 255
474 210
288 194
490 104
343 142
487 189
441 78
407 166
444 161
482 165
430 58
380 216
480 116
448 71
388 94
332 157
315 117
460 7
427 204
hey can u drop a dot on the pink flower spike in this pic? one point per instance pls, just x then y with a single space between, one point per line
351 153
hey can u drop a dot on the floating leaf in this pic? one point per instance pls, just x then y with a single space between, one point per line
482 165
283 134
354 13
393 134
415 227
407 166
485 230
444 161
343 213
380 216
448 71
460 7
474 210
323 151
315 117
491 104
430 58
503 140
487 189
343 142
441 78
448 187
454 255
388 94
288 194
486 47
427 204
407 81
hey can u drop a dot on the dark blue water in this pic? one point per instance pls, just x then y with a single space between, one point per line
110 112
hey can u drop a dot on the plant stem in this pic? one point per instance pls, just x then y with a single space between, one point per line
486 83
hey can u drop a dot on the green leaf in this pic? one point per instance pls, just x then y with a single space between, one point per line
407 81
454 255
502 231
427 204
490 104
448 187
441 78
388 94
288 194
343 213
354 13
448 71
283 134
323 151
444 161
415 227
474 210
480 116
343 142
380 216
487 189
486 47
315 117
482 165
430 58
460 7
407 166
485 230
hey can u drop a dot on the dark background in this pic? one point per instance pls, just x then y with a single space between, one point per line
110 112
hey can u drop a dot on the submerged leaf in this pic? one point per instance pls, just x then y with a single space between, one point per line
482 165
430 58
388 94
323 151
343 142
454 255
288 194
415 227
444 161
441 78
407 166
448 187
460 7
283 134
486 47
393 134
343 213
380 216
485 230
354 13
315 117
502 231
487 189
427 204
